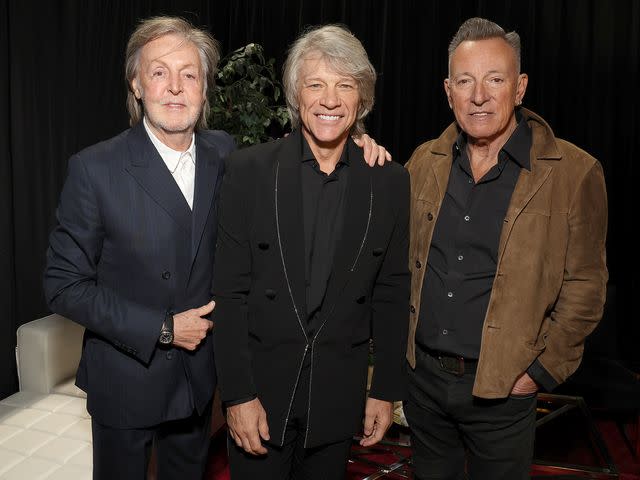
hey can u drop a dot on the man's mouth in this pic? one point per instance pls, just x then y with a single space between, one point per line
330 118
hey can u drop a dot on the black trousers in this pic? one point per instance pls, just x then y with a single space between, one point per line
451 429
181 447
292 461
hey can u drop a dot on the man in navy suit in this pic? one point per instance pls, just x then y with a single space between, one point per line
132 255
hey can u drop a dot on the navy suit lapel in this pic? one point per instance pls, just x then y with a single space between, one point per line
289 223
355 229
150 171
207 164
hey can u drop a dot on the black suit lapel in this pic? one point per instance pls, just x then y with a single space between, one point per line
150 171
207 164
289 224
357 219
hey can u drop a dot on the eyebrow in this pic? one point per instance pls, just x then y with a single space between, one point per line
490 72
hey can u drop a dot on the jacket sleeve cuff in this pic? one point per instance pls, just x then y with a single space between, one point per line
541 376
238 401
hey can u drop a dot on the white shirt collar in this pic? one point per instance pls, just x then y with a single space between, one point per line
170 156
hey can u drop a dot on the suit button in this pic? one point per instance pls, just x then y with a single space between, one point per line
429 216
166 275
412 309
418 264
263 246
378 251
360 300
169 355
270 293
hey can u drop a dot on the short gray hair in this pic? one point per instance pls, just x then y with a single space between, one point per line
481 29
154 28
344 53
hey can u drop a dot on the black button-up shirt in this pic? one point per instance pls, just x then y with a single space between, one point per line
463 256
323 198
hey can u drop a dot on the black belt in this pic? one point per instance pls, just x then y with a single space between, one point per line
451 363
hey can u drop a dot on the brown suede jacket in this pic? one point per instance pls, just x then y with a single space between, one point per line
550 284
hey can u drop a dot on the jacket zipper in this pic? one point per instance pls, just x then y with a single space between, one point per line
295 309
293 394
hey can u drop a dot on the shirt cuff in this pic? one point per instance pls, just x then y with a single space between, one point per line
238 401
540 375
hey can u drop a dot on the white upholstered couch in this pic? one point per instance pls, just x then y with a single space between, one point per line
45 430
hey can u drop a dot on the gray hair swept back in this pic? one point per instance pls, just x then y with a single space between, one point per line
344 53
481 29
154 28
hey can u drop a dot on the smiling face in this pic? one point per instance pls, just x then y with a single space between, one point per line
170 84
328 103
483 89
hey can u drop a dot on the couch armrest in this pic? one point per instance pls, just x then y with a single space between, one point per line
47 352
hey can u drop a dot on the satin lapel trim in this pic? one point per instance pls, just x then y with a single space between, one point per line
207 164
358 217
289 224
149 170
528 184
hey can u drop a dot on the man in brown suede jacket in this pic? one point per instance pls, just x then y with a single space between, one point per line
507 251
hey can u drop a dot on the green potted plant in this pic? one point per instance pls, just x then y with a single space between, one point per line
247 100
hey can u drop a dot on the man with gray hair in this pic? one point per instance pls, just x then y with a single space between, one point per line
508 266
311 265
131 260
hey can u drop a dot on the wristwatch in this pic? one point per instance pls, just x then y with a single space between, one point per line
166 333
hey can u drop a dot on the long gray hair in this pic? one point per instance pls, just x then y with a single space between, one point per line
344 53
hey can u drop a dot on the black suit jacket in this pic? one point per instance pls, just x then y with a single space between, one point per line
126 250
259 288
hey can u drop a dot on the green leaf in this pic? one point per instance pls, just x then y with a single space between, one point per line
248 97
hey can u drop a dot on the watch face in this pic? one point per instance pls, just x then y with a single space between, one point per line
166 337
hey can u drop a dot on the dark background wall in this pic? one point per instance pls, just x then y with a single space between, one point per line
62 88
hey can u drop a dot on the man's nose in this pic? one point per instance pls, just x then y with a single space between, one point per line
331 99
175 84
479 94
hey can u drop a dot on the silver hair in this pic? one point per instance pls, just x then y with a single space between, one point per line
481 29
344 53
154 28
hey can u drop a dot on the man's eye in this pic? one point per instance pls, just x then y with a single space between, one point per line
158 73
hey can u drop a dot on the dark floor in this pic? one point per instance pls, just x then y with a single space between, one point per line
571 443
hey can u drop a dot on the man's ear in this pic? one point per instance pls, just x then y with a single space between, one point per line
521 87
447 91
135 88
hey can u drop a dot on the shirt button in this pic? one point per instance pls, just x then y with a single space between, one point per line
169 355
450 294
166 275
467 218
460 258
445 331
469 181
418 264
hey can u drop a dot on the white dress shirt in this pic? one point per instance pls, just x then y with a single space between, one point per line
182 165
